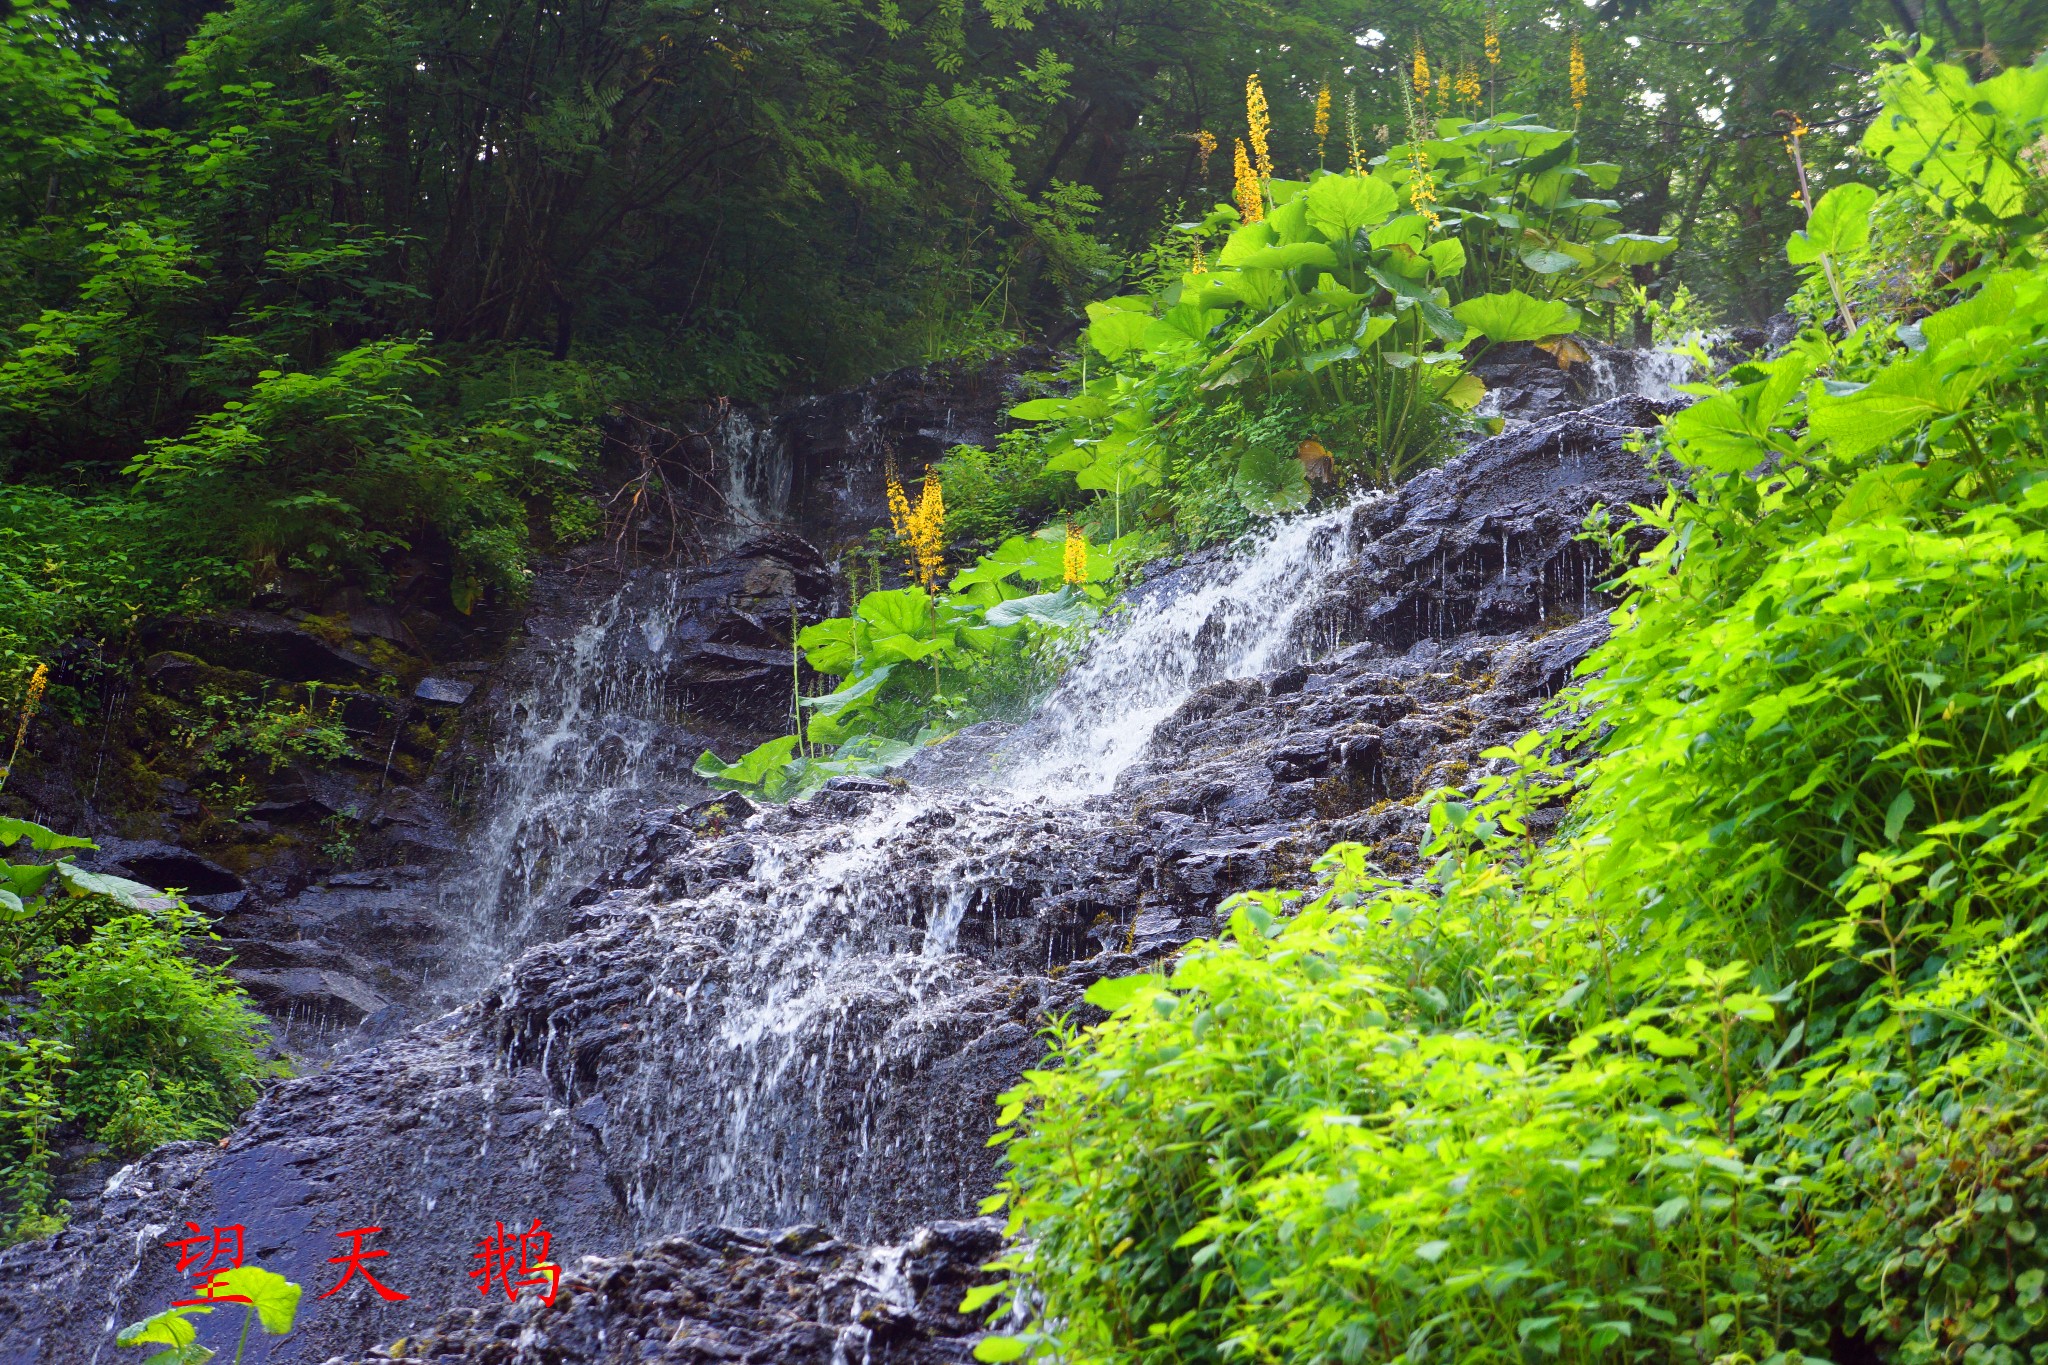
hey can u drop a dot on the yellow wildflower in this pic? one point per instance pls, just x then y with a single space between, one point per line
37 682
899 506
1198 266
1260 121
1421 72
1578 74
1492 36
1251 197
928 533
1470 91
1421 180
1443 92
1322 123
1205 146
1075 561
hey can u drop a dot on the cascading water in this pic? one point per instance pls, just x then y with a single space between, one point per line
582 747
587 740
791 1001
1654 374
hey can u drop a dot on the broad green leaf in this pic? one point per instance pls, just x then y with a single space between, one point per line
275 1297
1635 248
1446 257
750 768
40 837
1289 256
1882 492
134 895
1114 332
1243 242
844 696
26 880
1042 410
999 1350
1113 993
10 904
1343 204
1270 482
1466 392
1840 226
898 611
1903 397
1515 316
1066 607
909 648
830 646
1546 262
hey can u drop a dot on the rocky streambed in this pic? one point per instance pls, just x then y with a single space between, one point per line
742 1065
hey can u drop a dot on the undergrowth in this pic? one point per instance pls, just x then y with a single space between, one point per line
1743 1064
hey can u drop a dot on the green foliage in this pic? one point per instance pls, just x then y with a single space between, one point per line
1341 318
271 1300
112 1027
161 1045
992 495
915 666
1747 1055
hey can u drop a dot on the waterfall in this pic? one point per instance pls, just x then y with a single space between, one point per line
584 742
791 1001
1653 374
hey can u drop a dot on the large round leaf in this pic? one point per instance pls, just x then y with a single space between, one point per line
1342 204
1515 316
1840 225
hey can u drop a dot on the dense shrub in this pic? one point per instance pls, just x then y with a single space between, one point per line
1746 1060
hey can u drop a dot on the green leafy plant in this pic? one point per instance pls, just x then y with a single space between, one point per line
1746 1058
114 1027
269 1299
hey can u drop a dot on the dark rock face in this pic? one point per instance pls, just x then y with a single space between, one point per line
795 1296
803 1014
839 445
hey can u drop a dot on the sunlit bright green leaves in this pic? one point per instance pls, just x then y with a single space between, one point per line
1840 226
1515 316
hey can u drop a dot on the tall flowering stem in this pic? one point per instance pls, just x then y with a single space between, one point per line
1250 195
1351 132
1578 74
1322 121
1421 180
1419 72
1205 147
1492 56
37 682
1259 121
1074 562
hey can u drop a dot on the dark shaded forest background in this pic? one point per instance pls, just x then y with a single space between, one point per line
310 283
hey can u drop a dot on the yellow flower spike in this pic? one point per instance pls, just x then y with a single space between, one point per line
928 533
1205 146
1322 121
1074 563
1421 72
1198 266
1578 74
1260 122
1251 198
1470 91
1443 93
1492 36
37 682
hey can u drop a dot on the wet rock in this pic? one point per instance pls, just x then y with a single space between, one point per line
803 1015
795 1297
258 642
443 691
